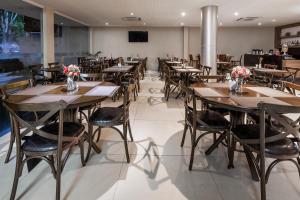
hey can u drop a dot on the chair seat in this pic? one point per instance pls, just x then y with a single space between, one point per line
107 116
36 143
214 120
284 147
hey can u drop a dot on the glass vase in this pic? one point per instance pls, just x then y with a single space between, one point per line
239 82
71 84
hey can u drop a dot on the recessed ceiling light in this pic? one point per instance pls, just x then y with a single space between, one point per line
273 20
181 24
106 23
220 23
131 14
144 23
259 24
183 14
236 13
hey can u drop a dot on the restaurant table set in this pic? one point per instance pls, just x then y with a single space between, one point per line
50 112
256 122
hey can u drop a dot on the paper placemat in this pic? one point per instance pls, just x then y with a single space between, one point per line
269 92
102 91
251 102
207 92
37 90
51 98
220 85
88 83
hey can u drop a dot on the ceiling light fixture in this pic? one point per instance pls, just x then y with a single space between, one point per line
236 13
183 14
106 23
144 23
132 14
273 20
181 24
259 24
220 23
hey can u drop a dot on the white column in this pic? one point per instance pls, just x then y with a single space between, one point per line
91 39
209 28
185 42
48 36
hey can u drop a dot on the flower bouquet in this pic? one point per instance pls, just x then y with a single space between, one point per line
71 72
238 74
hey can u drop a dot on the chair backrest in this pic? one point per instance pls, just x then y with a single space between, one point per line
206 70
286 126
53 64
269 66
15 86
191 57
199 58
90 76
290 87
15 110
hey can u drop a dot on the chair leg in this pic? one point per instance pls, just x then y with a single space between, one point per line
193 141
130 133
125 143
10 148
18 170
253 168
216 143
81 146
262 179
183 136
99 134
231 153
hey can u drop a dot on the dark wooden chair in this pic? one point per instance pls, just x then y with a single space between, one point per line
279 140
171 82
132 80
206 121
290 87
110 117
48 140
235 63
38 76
5 92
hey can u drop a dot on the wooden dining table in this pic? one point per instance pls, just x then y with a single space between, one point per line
87 94
239 104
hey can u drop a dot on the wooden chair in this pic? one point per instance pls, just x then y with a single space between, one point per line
235 63
132 80
110 117
205 121
290 87
90 108
171 82
278 141
48 140
5 92
38 76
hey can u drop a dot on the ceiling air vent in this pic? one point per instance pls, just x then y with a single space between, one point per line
132 19
246 19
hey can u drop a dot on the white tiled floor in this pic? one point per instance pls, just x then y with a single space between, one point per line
158 168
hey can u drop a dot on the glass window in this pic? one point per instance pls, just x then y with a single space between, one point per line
71 40
20 32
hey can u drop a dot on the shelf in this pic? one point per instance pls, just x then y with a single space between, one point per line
291 36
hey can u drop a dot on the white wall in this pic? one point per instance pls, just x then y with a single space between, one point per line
113 41
236 40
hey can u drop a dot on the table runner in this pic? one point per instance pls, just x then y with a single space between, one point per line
51 98
251 102
37 90
270 92
208 92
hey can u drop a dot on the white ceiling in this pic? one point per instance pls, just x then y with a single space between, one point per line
167 12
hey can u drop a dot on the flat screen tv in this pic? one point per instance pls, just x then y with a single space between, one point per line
138 36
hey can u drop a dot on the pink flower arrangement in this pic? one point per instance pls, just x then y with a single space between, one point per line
71 70
240 72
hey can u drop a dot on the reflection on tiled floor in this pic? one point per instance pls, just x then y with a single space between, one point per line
158 168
